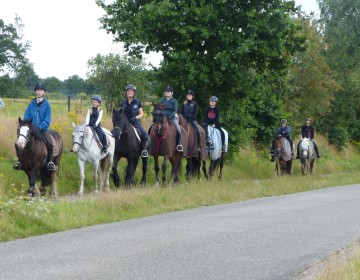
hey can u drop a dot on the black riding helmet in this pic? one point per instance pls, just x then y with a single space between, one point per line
191 92
40 86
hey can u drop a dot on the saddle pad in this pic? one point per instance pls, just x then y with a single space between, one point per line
136 133
56 147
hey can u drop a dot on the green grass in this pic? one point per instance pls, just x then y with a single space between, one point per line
249 175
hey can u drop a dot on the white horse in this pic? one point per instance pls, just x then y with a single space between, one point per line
215 153
307 156
88 150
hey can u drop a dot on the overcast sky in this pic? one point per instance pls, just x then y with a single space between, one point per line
65 34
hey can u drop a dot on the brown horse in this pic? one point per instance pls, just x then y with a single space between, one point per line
195 158
282 156
163 143
32 154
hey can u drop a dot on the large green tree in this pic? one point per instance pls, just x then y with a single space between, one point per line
237 50
111 73
12 48
341 29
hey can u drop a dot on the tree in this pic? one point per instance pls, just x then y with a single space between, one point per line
12 49
111 73
340 20
74 85
224 48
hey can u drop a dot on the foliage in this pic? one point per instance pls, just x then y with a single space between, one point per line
12 49
340 28
214 47
111 73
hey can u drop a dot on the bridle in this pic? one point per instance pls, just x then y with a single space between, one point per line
82 137
118 128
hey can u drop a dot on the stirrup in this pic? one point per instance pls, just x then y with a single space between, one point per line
17 166
144 153
51 166
223 149
179 148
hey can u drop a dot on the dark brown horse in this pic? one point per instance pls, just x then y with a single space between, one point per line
163 143
32 154
282 156
195 158
128 146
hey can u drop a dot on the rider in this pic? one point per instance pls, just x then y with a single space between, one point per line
171 107
39 112
93 119
308 131
212 117
189 110
133 110
285 131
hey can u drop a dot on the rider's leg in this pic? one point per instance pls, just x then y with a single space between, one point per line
316 148
144 140
272 150
179 147
48 143
103 139
196 126
222 134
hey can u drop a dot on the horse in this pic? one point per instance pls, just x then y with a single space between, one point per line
214 152
307 156
32 153
88 149
195 158
127 145
282 156
163 143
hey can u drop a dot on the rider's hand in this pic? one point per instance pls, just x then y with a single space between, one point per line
132 120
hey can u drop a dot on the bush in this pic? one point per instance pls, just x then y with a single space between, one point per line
339 136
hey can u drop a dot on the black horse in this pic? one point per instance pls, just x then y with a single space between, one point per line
127 145
32 153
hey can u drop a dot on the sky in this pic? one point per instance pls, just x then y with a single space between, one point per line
65 34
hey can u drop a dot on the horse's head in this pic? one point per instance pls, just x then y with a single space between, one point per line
23 133
304 146
120 123
159 118
78 137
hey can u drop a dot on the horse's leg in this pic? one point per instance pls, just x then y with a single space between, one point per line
53 189
212 169
96 176
163 168
157 169
129 177
32 179
109 162
116 177
144 170
204 169
221 165
175 168
82 176
188 168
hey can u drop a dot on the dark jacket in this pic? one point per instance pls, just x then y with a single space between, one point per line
286 131
171 107
131 110
94 115
189 110
212 116
39 115
307 131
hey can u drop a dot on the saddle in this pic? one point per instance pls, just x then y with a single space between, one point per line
98 141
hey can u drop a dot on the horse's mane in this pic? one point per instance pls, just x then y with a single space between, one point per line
34 130
159 108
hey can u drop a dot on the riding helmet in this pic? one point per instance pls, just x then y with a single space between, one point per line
97 98
308 119
130 86
40 86
191 92
213 98
283 121
169 88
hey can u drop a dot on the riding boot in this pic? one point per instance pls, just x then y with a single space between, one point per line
50 166
144 152
179 147
272 155
316 150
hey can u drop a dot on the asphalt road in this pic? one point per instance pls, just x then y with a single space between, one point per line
267 238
